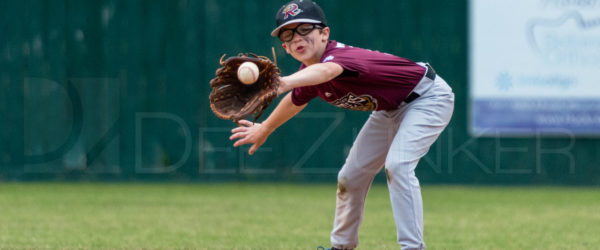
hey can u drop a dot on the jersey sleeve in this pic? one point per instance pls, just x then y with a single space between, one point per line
347 61
303 95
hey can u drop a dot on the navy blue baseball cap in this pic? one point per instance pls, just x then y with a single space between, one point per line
298 11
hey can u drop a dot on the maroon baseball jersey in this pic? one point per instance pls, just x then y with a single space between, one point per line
371 80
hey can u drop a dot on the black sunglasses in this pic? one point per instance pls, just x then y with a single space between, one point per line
302 29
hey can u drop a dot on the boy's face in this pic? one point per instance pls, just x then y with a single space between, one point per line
306 48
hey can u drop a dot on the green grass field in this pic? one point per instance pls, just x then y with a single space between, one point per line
285 216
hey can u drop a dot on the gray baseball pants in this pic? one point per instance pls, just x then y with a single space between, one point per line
396 139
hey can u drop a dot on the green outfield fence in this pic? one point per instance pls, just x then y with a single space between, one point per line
118 90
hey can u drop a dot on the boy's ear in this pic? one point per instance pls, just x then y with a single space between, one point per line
325 32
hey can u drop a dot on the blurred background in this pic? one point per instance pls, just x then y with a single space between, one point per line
108 90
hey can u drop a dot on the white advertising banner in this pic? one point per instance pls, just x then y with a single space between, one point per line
534 67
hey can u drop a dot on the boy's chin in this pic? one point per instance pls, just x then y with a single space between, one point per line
303 57
299 58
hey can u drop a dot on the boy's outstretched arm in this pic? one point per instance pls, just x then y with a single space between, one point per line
311 75
257 133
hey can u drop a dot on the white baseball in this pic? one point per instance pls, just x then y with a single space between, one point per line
247 73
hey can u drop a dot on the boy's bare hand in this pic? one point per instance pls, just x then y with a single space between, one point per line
249 133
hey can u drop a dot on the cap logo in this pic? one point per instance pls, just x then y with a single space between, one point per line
291 10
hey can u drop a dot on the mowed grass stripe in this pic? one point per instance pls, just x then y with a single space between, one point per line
276 216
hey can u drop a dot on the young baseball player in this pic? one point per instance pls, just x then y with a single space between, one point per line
410 106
